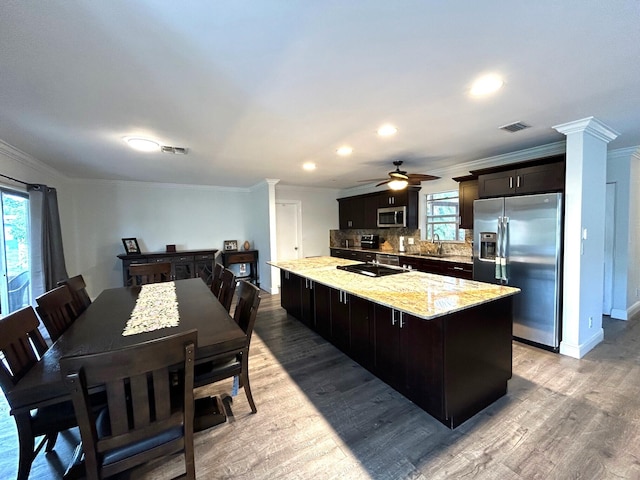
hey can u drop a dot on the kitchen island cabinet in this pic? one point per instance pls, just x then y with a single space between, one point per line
444 343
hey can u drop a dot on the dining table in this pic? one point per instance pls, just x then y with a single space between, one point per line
107 325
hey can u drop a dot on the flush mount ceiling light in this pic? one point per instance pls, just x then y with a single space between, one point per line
142 144
387 130
486 85
398 184
344 151
309 166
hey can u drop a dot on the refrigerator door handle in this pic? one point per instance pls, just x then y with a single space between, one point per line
503 258
498 274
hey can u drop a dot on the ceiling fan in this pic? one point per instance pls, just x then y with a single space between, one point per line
399 179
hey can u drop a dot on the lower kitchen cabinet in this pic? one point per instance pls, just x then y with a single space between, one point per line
291 293
322 305
307 302
340 335
451 366
361 326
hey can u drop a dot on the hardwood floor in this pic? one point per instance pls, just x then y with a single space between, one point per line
320 415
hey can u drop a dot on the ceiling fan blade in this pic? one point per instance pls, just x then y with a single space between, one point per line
382 183
373 180
422 177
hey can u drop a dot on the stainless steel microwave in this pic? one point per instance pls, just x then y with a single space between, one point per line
392 217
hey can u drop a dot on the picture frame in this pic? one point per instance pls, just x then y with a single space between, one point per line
131 246
230 245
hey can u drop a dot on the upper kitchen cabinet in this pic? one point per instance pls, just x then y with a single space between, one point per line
351 212
467 193
546 175
361 211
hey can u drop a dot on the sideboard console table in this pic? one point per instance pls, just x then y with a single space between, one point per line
243 256
184 264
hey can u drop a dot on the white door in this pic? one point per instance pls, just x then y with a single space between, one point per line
288 230
609 240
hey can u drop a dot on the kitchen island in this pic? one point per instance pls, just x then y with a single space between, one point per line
443 342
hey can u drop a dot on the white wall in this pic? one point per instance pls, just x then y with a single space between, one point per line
319 215
191 217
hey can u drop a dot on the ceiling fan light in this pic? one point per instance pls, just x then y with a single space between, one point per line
142 144
398 184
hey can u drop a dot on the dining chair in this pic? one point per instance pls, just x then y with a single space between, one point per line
216 283
238 363
56 310
142 420
227 288
22 344
144 273
78 288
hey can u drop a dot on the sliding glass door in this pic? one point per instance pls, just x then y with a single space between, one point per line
14 252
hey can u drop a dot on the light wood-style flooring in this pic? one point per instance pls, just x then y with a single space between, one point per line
322 416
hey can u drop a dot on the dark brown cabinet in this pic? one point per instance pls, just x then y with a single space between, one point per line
249 257
361 329
467 194
459 270
356 255
361 211
351 212
525 180
340 336
322 306
451 366
187 264
291 293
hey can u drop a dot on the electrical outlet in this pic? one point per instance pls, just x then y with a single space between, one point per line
590 322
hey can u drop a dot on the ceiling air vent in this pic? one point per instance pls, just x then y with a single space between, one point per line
514 127
174 150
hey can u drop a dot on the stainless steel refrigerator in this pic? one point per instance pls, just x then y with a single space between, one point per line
518 242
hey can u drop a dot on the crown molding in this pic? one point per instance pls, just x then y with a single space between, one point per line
175 186
590 125
624 153
28 161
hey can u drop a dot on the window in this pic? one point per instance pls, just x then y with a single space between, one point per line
442 216
14 252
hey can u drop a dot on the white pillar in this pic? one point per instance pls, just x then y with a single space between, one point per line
583 274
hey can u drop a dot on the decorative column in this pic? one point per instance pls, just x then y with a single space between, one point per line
583 275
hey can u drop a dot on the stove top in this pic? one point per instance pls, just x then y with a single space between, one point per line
371 270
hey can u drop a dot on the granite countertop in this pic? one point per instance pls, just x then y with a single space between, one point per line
444 258
424 295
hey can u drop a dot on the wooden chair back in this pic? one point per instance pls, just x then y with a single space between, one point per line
227 288
56 310
77 286
216 282
140 403
237 364
247 307
19 336
145 273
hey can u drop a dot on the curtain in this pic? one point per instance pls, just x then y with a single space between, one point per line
47 256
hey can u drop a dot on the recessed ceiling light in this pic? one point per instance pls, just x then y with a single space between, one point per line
309 166
387 130
344 151
486 84
142 144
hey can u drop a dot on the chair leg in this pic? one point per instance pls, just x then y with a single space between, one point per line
26 440
244 380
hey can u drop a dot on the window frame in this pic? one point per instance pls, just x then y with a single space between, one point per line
429 223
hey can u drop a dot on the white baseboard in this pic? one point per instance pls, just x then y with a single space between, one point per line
579 351
633 310
619 314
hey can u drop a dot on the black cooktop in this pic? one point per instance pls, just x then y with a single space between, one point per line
371 270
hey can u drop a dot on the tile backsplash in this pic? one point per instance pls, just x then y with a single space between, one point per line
351 238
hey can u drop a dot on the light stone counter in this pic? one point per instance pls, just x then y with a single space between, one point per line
424 295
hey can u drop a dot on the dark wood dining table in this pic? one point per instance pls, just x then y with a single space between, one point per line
100 329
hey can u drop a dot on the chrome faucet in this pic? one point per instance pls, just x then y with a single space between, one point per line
435 237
